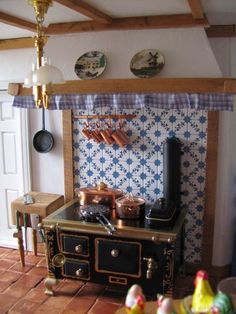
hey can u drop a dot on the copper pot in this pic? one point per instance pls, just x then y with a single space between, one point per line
130 207
100 194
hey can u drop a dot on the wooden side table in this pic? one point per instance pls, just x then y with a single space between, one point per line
44 204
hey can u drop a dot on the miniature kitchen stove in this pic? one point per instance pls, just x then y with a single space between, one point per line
119 255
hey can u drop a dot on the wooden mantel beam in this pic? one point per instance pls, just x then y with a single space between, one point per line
152 85
87 10
140 22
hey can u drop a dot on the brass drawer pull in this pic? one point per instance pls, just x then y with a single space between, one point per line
79 248
79 273
115 253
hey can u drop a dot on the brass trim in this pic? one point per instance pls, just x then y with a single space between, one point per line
74 236
76 261
58 260
114 272
118 280
168 280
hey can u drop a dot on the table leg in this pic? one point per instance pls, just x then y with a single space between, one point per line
19 237
34 240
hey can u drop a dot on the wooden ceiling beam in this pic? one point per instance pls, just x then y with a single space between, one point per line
18 43
143 22
221 31
151 85
87 10
17 22
196 9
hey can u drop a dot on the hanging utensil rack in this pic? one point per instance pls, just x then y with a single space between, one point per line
124 116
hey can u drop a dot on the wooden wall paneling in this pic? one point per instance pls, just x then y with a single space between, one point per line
68 154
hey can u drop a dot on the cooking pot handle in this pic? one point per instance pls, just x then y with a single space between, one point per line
106 223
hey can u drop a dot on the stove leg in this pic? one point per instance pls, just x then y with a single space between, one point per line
49 283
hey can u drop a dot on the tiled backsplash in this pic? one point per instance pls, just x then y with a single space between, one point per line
138 167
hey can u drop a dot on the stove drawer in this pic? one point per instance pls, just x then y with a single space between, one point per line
76 269
118 257
77 245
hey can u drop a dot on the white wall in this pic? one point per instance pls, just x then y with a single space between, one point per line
225 219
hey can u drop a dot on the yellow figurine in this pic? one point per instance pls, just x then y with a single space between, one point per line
203 295
135 300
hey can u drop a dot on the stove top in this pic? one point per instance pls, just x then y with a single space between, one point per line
68 216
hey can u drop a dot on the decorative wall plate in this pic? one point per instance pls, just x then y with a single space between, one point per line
147 63
90 65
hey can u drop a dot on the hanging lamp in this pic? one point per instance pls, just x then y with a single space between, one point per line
43 75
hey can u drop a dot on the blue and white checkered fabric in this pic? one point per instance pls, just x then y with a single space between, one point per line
215 101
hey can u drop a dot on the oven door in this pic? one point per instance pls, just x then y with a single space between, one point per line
118 257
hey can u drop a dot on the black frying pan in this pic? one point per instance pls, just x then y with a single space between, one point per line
43 140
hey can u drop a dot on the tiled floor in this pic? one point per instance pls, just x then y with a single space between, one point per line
22 290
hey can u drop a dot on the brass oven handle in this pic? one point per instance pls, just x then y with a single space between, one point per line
79 272
79 248
115 253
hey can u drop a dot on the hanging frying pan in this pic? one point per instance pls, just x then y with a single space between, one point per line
43 140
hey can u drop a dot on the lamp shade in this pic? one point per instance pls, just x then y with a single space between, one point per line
28 80
47 74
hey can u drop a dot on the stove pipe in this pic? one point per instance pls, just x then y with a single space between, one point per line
171 170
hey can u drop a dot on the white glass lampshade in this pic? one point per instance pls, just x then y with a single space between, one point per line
28 82
47 74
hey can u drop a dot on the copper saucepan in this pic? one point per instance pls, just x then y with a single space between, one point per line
130 207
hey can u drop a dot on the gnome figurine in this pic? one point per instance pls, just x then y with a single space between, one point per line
135 300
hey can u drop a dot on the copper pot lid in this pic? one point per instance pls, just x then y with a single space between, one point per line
129 200
100 188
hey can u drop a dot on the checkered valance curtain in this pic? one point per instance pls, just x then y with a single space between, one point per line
215 101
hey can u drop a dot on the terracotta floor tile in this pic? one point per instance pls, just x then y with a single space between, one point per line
91 290
32 259
43 308
6 263
4 251
41 285
29 281
13 255
39 271
103 307
57 302
68 287
112 296
10 276
4 285
19 268
36 295
24 307
7 301
79 305
15 291
42 262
